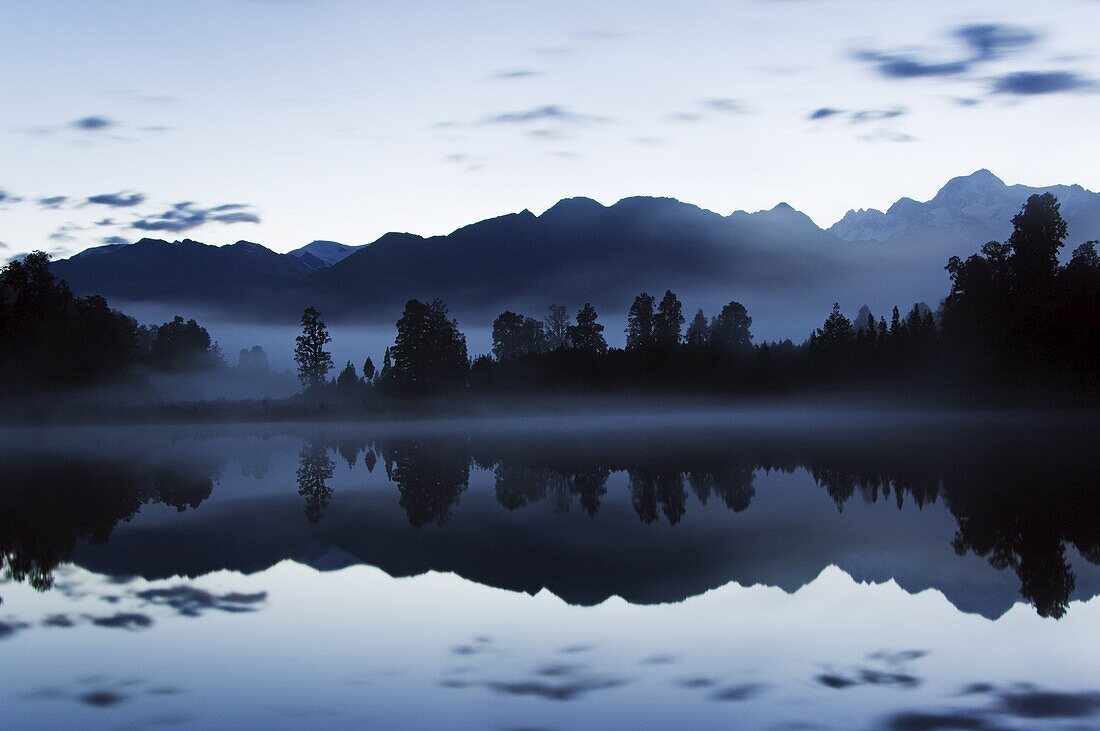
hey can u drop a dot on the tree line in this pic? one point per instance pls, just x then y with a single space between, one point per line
1014 317
51 339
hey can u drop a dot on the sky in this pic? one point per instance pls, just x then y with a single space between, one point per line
285 121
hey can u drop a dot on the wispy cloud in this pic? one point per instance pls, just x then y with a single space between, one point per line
116 200
988 41
887 135
903 66
857 116
53 201
93 124
1032 83
861 116
91 130
514 74
685 116
975 44
725 104
65 232
185 216
546 113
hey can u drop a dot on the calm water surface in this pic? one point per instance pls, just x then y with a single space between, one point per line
752 570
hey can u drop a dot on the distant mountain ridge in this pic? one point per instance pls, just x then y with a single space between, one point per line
778 262
975 208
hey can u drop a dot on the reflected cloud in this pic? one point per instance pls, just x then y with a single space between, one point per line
744 692
123 620
1044 704
189 601
867 676
102 698
567 691
8 629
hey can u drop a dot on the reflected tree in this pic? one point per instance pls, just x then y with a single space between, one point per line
315 469
430 476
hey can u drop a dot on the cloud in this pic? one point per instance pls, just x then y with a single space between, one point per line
64 232
857 116
875 115
116 200
731 106
90 130
720 105
6 197
901 66
554 51
1032 83
992 40
546 134
114 241
545 113
185 216
980 44
52 201
509 74
105 222
240 217
92 124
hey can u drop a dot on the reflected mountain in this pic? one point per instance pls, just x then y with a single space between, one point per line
984 514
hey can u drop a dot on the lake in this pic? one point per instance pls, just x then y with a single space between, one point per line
758 569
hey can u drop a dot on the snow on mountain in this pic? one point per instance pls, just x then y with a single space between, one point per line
320 254
968 211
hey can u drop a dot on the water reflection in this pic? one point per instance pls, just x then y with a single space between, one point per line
49 502
1020 497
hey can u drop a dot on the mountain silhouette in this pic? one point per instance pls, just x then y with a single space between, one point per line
778 262
182 271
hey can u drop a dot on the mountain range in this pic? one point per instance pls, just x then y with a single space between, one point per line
787 270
